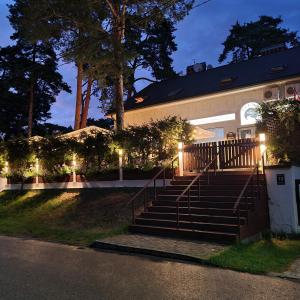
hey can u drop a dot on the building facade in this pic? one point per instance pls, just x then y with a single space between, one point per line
220 102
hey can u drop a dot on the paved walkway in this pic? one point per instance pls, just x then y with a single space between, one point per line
198 249
39 270
294 270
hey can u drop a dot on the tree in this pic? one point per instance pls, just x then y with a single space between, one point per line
74 28
248 40
126 12
93 35
153 49
29 84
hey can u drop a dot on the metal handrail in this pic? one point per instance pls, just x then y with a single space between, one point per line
152 180
241 195
187 189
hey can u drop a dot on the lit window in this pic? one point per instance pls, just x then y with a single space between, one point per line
214 119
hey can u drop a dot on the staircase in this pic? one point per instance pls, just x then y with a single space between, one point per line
209 210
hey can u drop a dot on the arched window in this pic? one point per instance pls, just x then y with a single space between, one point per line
249 113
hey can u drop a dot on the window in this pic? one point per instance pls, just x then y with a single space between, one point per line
211 135
214 119
249 113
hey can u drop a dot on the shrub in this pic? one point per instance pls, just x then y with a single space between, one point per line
281 121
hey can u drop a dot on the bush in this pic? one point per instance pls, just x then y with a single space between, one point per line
281 121
145 148
151 144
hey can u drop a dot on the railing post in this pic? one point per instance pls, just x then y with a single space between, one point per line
133 212
199 188
121 164
145 199
189 201
164 180
154 185
177 213
180 158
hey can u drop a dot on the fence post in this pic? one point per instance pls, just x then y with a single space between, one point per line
121 164
180 158
37 171
74 168
263 148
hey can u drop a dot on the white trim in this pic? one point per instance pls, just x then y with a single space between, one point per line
213 119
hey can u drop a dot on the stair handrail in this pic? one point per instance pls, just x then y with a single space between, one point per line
150 181
242 193
187 189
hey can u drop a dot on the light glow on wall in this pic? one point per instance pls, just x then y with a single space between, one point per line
214 119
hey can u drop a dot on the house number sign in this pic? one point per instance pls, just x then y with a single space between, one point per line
280 179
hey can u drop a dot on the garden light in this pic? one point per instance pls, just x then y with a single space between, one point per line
74 167
121 164
37 170
262 137
180 158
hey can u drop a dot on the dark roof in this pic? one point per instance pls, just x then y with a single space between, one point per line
281 65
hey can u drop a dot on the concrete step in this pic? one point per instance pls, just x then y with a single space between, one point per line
213 227
197 210
193 218
200 204
220 237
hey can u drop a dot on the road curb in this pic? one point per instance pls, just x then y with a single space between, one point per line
145 251
100 245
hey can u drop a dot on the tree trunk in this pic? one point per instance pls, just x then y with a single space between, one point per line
119 83
78 96
30 108
86 103
31 95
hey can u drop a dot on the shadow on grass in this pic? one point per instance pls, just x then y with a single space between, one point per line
259 257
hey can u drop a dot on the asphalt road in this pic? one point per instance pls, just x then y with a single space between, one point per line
39 270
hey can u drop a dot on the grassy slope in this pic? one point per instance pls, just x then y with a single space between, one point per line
260 257
70 216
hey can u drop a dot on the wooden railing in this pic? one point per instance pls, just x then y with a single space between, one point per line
241 153
152 185
188 188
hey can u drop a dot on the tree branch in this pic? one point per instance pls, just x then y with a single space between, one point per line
144 78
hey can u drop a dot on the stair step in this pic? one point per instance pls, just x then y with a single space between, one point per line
193 218
201 204
207 198
195 192
197 210
219 237
205 187
213 227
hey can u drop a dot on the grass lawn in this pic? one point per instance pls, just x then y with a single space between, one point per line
259 257
69 216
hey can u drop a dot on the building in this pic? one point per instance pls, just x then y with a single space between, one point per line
221 102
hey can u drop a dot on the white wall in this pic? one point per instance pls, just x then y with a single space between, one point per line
84 185
282 203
